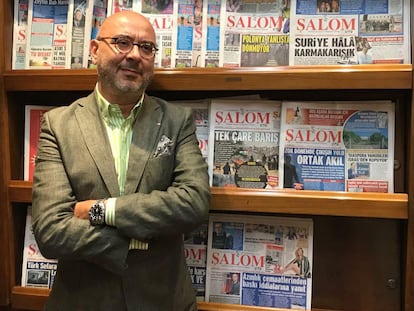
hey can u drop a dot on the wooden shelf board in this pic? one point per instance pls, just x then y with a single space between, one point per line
20 191
29 298
211 306
352 204
205 79
376 205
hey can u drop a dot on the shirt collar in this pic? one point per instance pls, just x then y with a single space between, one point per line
111 112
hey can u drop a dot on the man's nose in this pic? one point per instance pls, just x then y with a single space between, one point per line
135 52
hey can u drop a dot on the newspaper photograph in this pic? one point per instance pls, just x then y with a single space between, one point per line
244 143
48 43
337 146
115 6
254 34
260 261
37 271
195 250
332 32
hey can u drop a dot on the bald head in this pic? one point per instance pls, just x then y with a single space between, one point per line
117 22
123 75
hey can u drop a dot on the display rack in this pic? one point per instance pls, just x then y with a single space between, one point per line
363 243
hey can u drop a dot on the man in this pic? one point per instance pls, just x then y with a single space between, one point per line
235 285
291 178
335 6
78 18
299 265
364 57
221 239
353 171
119 178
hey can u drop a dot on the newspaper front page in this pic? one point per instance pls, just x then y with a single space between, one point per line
48 35
96 15
244 143
37 271
195 250
210 47
79 26
254 33
200 110
338 146
19 34
334 32
32 124
188 34
260 261
161 16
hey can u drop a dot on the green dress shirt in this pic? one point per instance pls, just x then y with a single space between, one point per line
119 132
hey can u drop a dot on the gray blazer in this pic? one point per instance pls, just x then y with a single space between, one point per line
166 193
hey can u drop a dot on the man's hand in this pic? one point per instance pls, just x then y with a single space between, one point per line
82 209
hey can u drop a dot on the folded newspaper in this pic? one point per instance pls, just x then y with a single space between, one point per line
37 271
260 261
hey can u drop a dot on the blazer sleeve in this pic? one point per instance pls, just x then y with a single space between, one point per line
58 232
174 193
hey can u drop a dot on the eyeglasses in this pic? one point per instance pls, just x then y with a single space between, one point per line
125 45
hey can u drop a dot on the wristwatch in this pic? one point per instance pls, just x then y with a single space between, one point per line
97 213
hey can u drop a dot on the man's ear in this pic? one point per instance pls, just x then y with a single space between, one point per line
93 49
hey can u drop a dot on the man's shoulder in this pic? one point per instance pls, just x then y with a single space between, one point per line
169 106
67 111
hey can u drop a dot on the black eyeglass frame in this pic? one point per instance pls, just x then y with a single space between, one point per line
140 45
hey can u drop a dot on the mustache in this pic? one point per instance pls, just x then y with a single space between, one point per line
133 66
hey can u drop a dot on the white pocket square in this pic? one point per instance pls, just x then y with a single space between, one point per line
164 147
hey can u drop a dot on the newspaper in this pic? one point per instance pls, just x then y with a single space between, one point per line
33 119
97 14
161 16
188 33
195 250
48 38
337 146
260 261
37 271
350 32
19 34
244 143
254 33
210 46
79 10
200 113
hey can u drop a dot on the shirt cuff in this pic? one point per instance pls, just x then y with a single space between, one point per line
110 221
110 211
135 244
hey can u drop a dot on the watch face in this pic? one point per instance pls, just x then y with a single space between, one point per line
97 214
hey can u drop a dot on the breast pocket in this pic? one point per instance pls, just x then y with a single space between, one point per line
159 171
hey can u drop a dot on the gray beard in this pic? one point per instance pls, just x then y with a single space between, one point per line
123 86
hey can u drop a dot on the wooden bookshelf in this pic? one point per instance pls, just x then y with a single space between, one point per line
207 79
374 205
374 246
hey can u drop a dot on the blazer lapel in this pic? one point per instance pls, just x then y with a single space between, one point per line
97 142
144 138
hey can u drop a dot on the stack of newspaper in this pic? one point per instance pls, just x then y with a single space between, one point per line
52 34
